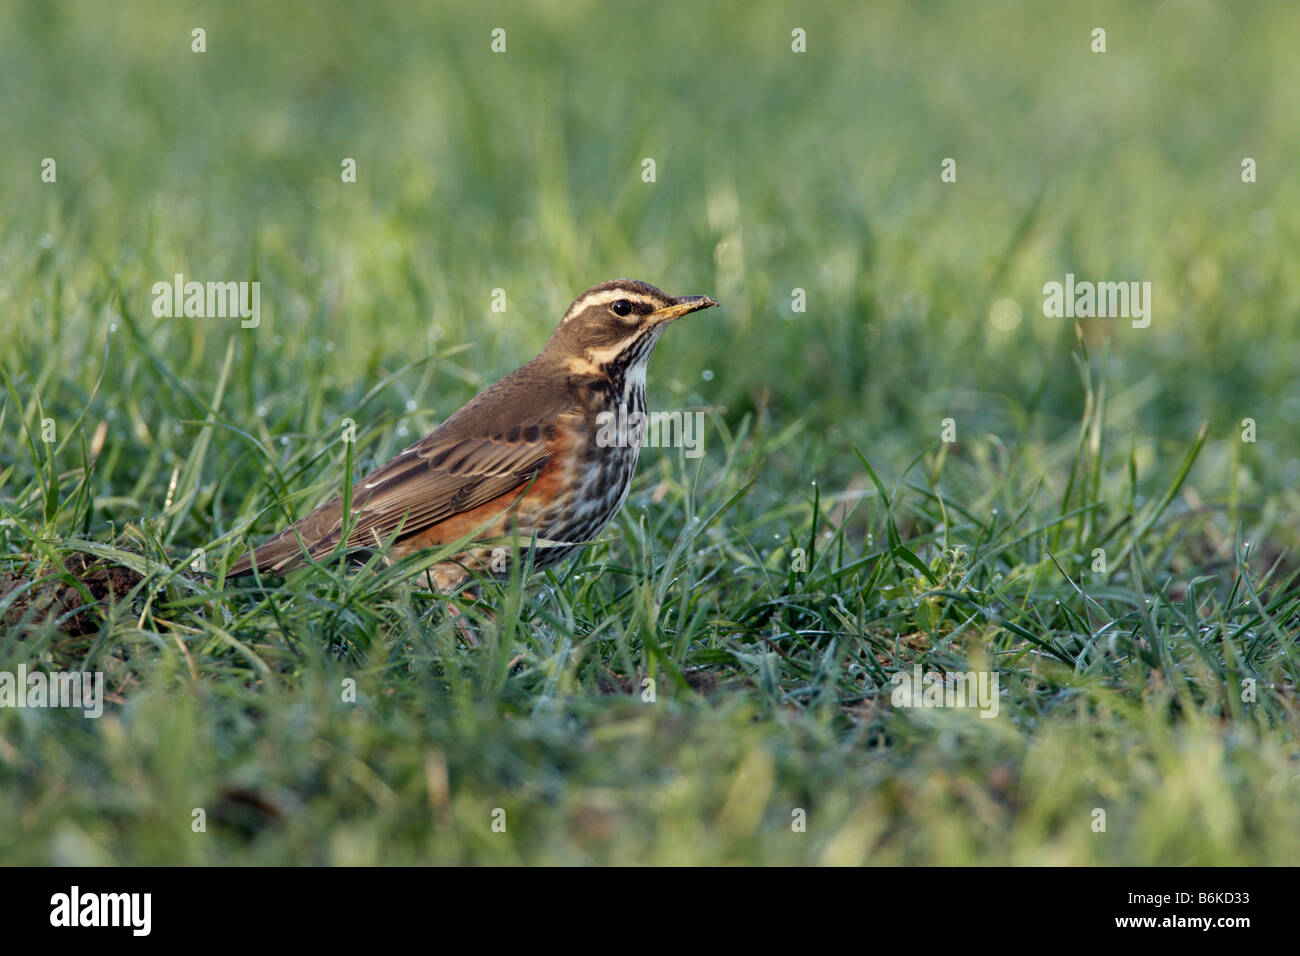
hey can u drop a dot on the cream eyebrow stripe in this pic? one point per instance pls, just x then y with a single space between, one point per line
606 297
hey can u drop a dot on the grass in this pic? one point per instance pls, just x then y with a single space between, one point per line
828 540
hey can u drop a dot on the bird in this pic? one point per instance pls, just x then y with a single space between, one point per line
524 460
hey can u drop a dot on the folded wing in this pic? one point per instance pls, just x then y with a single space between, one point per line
433 480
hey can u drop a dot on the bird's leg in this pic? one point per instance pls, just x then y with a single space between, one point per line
462 624
461 620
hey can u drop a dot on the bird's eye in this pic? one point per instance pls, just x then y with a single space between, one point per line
622 307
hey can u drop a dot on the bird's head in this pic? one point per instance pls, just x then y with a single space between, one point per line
616 325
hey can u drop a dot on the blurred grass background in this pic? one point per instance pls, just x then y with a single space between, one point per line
775 170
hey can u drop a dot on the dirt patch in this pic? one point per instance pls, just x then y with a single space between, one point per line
51 596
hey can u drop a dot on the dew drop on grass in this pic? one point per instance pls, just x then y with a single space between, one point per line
410 404
284 440
707 375
261 411
46 241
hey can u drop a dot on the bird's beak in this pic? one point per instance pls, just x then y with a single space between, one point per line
681 306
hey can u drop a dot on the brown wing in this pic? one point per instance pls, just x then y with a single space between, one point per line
422 486
479 454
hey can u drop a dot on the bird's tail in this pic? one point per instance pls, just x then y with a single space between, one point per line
313 536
